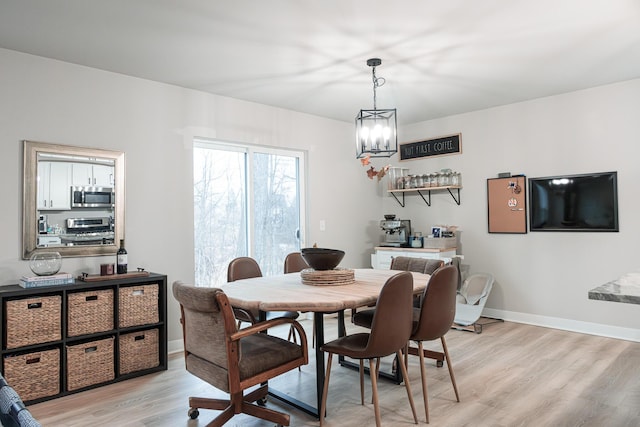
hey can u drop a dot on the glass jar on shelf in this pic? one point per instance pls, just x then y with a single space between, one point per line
433 179
442 179
455 178
419 181
426 181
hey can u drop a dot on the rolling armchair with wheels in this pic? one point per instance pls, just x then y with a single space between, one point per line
471 299
233 360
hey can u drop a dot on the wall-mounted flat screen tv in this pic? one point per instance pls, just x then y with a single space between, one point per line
587 202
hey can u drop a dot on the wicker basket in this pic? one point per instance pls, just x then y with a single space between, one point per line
33 321
138 305
90 363
440 243
89 312
34 375
138 351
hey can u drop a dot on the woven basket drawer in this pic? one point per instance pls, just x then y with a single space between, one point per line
33 321
34 375
89 312
90 363
139 351
138 305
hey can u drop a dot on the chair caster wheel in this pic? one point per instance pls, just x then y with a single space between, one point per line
439 363
262 401
193 413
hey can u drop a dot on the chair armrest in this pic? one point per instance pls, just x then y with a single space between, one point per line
263 326
249 315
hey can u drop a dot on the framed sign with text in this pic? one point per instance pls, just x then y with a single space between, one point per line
444 145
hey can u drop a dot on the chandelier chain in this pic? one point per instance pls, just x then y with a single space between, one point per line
377 82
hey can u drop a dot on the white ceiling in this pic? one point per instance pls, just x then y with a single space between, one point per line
439 57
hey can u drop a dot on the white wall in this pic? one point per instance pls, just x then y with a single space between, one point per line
543 277
154 124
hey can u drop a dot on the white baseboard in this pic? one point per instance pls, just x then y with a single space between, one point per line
589 328
175 346
628 334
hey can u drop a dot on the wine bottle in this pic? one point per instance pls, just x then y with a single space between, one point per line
122 258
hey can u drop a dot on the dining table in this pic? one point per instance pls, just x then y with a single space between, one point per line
286 292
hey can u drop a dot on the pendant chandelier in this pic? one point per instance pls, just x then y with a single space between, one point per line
376 130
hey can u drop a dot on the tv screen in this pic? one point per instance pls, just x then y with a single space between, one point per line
587 202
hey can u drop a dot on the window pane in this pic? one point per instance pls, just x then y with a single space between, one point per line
220 220
276 224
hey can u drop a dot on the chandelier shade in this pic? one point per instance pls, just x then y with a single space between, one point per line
376 134
376 130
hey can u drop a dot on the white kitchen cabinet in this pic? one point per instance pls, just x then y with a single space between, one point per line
381 259
54 185
95 175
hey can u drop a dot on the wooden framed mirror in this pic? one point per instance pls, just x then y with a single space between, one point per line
73 200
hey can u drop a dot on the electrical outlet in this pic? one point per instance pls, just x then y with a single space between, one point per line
323 225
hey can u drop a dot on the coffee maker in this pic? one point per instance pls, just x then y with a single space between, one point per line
396 231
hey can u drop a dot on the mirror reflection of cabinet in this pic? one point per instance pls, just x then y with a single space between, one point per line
53 219
53 185
92 174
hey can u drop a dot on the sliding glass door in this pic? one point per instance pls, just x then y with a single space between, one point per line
248 201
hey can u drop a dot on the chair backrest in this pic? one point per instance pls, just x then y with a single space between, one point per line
392 320
294 263
419 265
243 268
438 305
207 319
476 288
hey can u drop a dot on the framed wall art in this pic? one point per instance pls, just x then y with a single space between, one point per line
507 204
444 145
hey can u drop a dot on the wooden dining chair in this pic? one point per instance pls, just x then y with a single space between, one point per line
247 268
390 331
233 360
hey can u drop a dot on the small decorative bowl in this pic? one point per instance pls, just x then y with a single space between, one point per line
45 263
322 258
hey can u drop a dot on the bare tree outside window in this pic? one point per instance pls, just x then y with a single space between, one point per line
223 203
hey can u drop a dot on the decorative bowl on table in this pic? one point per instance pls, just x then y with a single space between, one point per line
322 258
45 263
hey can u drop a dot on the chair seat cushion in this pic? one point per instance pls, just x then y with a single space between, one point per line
288 314
350 346
240 315
261 352
363 318
258 353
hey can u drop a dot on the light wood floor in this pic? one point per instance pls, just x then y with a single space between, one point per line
510 375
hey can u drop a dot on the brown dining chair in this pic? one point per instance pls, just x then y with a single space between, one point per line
247 268
419 265
233 360
390 331
294 263
431 320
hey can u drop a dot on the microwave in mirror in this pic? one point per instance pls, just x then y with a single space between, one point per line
92 197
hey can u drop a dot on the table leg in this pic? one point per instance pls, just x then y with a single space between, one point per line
320 373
